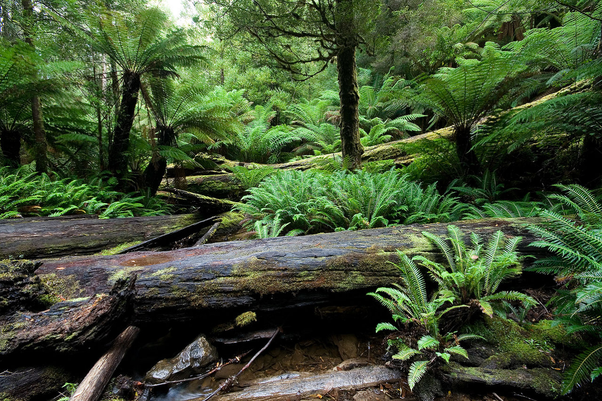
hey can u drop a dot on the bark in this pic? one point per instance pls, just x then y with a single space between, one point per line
57 236
209 206
34 382
590 170
69 326
41 146
10 141
348 86
118 158
93 385
185 284
310 385
154 172
170 238
468 158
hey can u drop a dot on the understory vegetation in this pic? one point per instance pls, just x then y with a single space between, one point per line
363 115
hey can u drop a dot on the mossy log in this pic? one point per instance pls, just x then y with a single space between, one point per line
67 326
225 185
185 284
34 382
45 237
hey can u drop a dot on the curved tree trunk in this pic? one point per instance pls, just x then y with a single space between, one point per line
41 146
118 160
348 86
10 142
468 159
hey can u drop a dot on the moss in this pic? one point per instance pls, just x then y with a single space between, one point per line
245 318
123 273
62 287
115 250
516 344
546 331
164 275
231 219
542 381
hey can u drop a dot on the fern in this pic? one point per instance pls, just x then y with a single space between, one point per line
417 370
581 367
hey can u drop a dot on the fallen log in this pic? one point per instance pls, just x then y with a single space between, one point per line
225 185
91 388
67 326
182 285
307 385
46 237
169 238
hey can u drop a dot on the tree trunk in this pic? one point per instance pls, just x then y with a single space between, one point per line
468 159
591 154
118 151
41 146
10 141
188 283
348 86
154 172
58 236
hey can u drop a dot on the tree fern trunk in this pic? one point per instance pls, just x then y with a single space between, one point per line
118 158
41 146
348 86
468 159
10 142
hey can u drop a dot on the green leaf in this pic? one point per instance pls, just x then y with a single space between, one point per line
405 353
427 342
444 355
486 307
385 326
457 350
417 371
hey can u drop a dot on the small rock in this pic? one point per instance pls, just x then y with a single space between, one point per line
369 395
351 364
347 345
196 355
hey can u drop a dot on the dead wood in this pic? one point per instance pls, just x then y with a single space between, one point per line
34 382
91 388
168 240
34 238
269 273
67 326
209 234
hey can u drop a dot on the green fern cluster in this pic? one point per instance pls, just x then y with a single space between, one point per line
313 201
576 245
408 302
23 187
469 280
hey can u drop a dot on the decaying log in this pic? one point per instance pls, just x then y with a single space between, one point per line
33 382
227 186
46 237
91 388
68 326
305 385
169 238
265 273
20 288
209 234
209 206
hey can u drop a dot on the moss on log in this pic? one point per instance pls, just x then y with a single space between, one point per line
265 273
